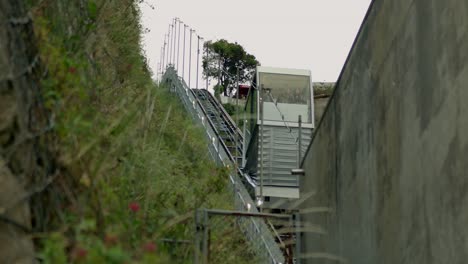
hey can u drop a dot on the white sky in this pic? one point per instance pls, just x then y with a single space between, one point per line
303 34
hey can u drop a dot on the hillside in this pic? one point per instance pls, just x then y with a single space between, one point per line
125 168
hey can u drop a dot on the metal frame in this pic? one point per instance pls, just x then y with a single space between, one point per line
202 228
286 71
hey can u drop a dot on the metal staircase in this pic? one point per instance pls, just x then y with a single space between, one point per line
225 126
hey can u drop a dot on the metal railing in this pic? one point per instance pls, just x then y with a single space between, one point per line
258 233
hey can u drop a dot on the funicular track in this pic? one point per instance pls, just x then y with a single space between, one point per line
226 127
223 135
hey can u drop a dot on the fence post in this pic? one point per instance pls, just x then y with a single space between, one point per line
198 229
299 143
297 224
206 237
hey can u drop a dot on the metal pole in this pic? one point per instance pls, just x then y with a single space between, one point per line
198 59
219 70
219 75
164 54
159 72
178 47
174 42
163 51
190 58
247 214
169 50
290 246
161 61
183 55
297 224
261 145
244 143
206 238
206 65
198 229
237 119
299 153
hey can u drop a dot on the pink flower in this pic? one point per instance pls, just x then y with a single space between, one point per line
134 207
149 247
79 253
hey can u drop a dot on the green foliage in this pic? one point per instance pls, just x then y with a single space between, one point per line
231 109
323 88
134 166
53 250
231 57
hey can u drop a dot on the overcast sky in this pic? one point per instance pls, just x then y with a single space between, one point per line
303 34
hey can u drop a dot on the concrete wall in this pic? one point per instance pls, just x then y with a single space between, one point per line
320 105
390 156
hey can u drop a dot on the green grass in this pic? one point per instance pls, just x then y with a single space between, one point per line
134 166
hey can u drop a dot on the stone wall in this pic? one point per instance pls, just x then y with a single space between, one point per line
24 163
390 156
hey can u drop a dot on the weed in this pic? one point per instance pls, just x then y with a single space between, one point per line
138 165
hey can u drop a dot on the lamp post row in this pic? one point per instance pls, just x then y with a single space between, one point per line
170 50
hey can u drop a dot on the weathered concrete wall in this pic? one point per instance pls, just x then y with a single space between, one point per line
320 105
24 161
390 156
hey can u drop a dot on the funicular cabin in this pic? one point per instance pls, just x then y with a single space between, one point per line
279 124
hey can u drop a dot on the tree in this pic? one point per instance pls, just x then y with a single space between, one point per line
221 60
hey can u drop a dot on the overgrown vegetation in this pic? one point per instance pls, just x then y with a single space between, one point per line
134 166
323 89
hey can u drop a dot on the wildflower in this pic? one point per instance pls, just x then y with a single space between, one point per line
134 207
72 70
79 253
149 247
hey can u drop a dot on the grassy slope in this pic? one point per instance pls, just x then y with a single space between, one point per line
135 167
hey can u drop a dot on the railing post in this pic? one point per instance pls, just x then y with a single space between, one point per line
299 143
244 143
237 119
206 237
297 224
198 228
260 142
